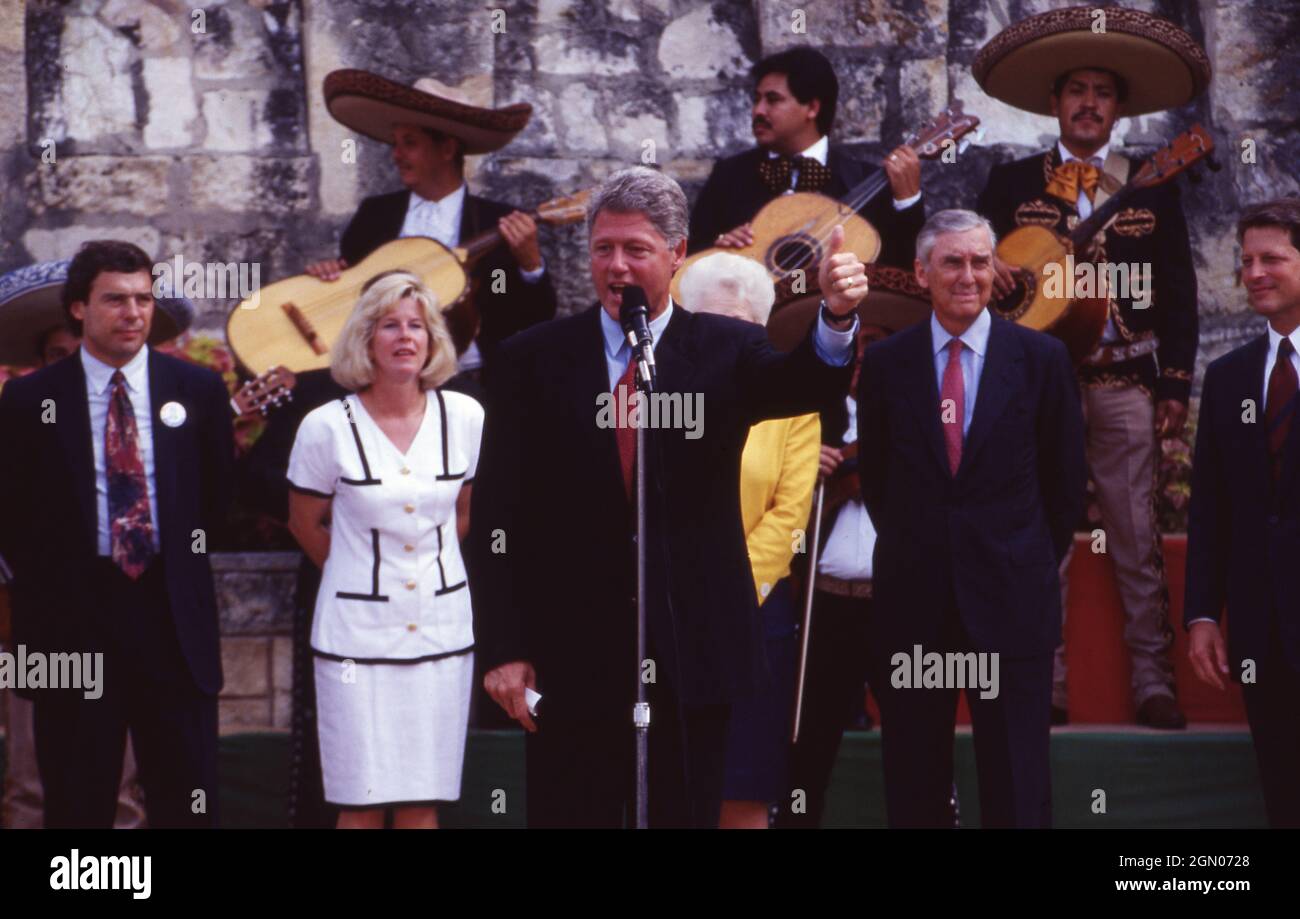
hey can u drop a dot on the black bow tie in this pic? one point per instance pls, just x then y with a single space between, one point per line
775 173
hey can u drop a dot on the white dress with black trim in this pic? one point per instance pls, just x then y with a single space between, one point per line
393 631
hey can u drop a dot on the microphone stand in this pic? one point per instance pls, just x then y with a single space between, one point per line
641 711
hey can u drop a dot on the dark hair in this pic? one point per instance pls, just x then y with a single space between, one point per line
439 137
95 257
810 77
1283 213
1121 85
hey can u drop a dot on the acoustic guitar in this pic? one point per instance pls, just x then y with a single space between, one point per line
1034 252
791 231
294 322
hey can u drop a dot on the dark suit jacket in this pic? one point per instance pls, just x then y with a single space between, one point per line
562 593
734 193
1150 229
989 539
379 220
1243 534
47 491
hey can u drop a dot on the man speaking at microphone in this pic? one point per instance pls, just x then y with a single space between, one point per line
552 538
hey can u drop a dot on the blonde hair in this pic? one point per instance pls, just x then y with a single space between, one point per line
350 362
729 277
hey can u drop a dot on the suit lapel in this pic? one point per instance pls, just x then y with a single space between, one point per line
997 383
586 376
470 219
674 356
70 399
164 388
924 393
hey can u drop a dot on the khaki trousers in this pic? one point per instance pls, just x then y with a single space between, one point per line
1121 446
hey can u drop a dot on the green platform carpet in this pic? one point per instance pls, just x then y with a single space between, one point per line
1194 779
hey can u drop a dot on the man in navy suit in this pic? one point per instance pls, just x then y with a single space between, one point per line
114 480
1243 534
972 466
554 573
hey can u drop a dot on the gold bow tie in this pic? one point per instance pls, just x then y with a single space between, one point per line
775 173
1067 179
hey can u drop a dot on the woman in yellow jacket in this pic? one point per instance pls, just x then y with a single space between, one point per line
777 474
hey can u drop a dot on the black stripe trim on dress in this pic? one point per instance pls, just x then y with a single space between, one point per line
308 491
442 414
361 451
374 596
325 655
442 573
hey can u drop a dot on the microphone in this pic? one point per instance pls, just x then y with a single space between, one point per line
634 317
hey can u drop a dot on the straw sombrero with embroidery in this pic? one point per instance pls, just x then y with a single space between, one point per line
370 104
31 304
1163 66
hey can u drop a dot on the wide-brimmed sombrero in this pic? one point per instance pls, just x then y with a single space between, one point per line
1163 66
895 301
370 104
31 304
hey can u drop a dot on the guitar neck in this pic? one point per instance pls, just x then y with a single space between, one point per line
1087 229
861 195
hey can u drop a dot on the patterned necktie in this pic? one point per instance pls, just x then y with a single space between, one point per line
775 173
953 413
1281 401
1069 177
626 434
130 527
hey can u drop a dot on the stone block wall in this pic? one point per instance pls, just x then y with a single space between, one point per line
215 143
255 601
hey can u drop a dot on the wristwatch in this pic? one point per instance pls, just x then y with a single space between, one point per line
836 321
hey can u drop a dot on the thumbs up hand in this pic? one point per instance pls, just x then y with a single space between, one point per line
842 277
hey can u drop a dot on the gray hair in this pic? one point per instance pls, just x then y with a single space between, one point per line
949 221
730 285
644 191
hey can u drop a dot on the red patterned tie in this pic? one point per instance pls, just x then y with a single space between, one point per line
623 391
130 527
952 404
1281 402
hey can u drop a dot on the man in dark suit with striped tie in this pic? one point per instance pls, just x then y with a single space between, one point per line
1244 526
114 480
972 468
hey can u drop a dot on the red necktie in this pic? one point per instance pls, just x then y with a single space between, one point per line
130 527
953 397
626 434
1282 387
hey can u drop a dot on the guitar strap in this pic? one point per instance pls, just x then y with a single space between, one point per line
1114 175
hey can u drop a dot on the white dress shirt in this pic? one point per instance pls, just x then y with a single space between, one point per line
831 345
976 340
819 152
1109 333
440 220
99 378
852 542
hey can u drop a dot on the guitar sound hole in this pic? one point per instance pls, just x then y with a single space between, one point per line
1014 304
793 252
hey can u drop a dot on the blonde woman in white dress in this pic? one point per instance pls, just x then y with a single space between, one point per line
379 498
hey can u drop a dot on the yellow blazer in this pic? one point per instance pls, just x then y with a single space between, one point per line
778 471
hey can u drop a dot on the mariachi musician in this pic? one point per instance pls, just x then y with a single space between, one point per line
795 94
432 128
1137 381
